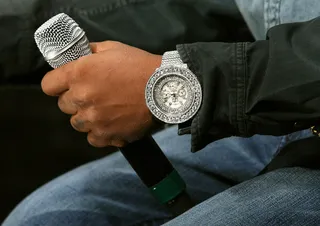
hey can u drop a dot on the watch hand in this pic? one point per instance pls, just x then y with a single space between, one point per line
180 86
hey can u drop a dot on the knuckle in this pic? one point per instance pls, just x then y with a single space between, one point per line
66 105
74 70
106 45
111 44
93 116
82 96
77 124
100 133
80 123
73 124
70 70
45 83
96 142
81 64
119 143
61 102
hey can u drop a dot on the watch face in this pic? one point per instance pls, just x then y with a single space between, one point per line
173 94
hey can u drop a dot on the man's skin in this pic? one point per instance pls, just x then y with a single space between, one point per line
104 93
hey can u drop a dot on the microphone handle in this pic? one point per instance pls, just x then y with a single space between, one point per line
157 173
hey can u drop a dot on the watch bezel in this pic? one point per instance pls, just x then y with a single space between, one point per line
173 70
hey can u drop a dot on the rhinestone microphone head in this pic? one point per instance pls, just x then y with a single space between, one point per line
61 40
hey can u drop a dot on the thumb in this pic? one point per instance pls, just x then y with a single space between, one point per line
97 47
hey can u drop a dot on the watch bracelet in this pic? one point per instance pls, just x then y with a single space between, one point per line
171 58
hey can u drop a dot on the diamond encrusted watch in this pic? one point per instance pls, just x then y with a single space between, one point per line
173 93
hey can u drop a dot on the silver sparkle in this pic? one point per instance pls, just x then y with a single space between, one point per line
173 94
61 40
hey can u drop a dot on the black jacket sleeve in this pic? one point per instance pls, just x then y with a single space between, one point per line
267 87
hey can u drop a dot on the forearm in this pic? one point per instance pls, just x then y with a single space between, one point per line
263 87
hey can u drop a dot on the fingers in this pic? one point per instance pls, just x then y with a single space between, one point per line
66 104
80 124
105 141
75 99
97 136
57 81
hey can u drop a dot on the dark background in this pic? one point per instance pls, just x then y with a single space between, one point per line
37 143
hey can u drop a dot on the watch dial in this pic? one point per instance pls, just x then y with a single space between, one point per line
173 94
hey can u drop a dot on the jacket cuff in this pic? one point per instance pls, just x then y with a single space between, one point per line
185 128
220 69
189 127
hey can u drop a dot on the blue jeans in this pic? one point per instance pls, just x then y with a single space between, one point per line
108 192
222 178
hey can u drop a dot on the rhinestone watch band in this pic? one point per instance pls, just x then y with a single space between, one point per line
172 58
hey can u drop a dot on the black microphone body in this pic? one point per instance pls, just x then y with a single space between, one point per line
158 174
144 155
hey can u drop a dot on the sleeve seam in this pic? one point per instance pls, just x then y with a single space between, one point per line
240 83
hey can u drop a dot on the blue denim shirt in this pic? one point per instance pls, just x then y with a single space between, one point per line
261 15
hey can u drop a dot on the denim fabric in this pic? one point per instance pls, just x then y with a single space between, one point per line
261 15
108 192
286 197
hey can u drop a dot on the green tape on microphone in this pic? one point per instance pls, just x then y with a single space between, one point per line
168 188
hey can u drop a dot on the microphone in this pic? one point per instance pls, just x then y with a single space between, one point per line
61 40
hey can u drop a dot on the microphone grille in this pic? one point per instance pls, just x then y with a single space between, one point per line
61 40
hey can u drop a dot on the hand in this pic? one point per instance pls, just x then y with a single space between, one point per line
105 93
